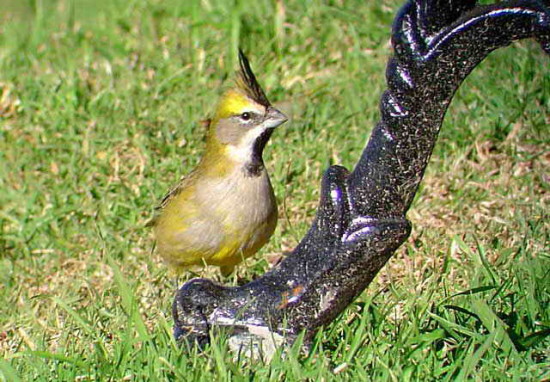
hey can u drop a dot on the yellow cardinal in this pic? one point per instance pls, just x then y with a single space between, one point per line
225 209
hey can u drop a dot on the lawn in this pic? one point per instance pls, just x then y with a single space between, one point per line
101 105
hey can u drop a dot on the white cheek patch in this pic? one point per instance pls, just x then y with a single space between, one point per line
242 152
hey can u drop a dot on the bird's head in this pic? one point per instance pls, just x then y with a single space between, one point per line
244 120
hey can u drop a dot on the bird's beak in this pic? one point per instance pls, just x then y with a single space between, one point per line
274 117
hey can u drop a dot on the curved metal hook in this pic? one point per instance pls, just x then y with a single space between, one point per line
361 217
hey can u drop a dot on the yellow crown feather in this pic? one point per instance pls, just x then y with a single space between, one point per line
235 100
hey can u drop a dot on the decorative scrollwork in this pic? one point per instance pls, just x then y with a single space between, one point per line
361 216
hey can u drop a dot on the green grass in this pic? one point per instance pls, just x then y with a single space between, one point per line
100 109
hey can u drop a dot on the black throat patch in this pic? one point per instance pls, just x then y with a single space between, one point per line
256 165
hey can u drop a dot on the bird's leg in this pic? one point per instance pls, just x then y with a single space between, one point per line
227 270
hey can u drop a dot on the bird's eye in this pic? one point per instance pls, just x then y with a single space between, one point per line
246 116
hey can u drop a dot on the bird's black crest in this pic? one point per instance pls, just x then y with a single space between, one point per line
248 83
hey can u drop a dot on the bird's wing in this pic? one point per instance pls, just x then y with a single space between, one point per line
174 191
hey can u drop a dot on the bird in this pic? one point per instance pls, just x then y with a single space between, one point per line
225 209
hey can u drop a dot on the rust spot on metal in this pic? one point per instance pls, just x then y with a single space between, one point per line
284 300
297 290
293 293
